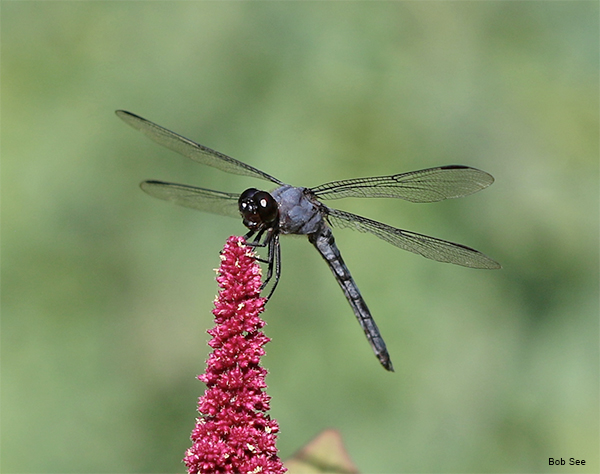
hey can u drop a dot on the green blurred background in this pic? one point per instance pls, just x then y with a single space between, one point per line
107 293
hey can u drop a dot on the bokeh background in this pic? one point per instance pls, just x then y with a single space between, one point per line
107 293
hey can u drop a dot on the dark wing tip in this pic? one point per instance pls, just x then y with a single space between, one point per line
131 119
150 183
488 177
123 113
464 167
455 167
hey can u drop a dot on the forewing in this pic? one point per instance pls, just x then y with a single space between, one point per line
207 200
429 185
190 149
428 247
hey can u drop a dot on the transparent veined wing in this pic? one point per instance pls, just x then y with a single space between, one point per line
428 247
207 200
191 149
429 185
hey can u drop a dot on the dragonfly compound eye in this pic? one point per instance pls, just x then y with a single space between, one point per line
247 203
267 207
258 208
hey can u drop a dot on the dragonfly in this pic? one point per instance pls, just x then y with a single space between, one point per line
297 210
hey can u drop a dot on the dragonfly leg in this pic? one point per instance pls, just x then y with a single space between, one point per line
256 242
274 263
270 261
271 241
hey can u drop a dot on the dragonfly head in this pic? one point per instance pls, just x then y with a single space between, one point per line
258 208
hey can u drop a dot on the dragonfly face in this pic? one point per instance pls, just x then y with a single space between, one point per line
258 209
294 210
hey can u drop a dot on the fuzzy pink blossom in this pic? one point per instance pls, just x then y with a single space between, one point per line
233 433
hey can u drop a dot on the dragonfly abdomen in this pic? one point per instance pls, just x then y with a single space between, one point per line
324 242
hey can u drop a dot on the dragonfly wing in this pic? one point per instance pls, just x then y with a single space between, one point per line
428 247
207 200
191 149
429 185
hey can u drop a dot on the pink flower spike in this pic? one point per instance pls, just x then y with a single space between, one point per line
233 433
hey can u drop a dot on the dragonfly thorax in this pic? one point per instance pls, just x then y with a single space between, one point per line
299 210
